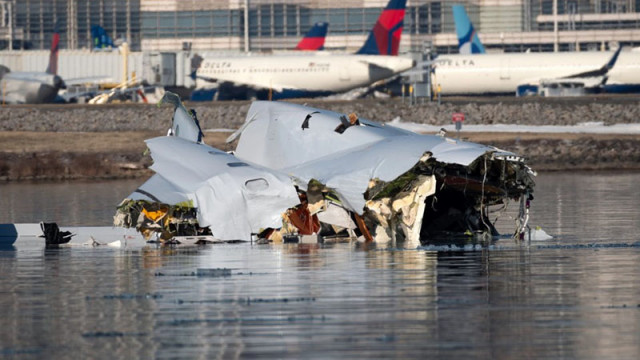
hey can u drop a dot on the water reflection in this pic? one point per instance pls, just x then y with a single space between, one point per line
317 301
69 203
587 206
576 207
321 301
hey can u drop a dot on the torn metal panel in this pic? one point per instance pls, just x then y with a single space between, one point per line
233 197
184 124
159 189
280 135
346 153
344 162
304 171
275 136
337 216
230 196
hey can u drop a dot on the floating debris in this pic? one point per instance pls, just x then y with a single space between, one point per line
222 272
111 334
299 171
125 297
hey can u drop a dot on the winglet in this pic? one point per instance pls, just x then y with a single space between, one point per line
468 41
314 39
52 68
613 59
384 39
603 70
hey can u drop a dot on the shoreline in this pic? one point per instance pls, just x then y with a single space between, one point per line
90 142
80 156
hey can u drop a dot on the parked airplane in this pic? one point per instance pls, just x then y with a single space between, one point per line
468 41
526 73
319 74
22 87
314 39
32 87
563 73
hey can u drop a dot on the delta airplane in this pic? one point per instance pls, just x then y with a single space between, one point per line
318 74
21 87
32 87
535 73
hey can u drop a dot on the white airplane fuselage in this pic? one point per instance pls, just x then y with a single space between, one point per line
29 87
313 74
503 73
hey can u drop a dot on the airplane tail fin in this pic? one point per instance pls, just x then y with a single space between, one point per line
384 39
52 68
468 41
314 39
100 38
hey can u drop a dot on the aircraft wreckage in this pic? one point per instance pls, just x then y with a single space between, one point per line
303 171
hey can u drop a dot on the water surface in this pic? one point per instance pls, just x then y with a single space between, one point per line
577 296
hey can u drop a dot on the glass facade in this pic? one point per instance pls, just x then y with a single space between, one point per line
283 19
276 24
37 20
187 24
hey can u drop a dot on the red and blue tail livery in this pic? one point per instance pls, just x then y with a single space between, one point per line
52 68
314 39
384 39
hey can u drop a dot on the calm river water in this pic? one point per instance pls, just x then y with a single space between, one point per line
576 296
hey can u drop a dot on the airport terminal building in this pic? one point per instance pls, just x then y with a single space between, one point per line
266 25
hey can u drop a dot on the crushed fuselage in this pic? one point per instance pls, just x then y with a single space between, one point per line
305 171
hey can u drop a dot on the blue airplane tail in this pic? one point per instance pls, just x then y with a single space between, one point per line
384 39
468 41
100 38
314 39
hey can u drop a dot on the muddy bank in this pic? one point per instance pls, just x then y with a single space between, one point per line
89 142
72 166
137 117
55 155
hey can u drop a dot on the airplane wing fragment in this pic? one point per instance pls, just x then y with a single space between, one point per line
231 197
299 170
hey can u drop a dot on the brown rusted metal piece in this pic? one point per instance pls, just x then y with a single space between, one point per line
363 228
306 223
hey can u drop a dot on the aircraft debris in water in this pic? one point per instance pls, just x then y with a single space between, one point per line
300 171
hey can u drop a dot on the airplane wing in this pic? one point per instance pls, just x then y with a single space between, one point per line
585 81
33 77
599 72
89 79
253 84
